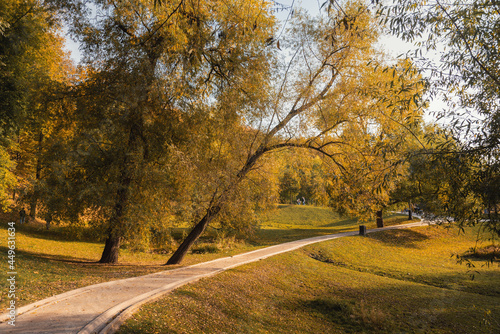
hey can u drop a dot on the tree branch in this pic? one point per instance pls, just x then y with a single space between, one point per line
468 47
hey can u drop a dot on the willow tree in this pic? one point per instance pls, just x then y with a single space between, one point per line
465 76
145 68
324 94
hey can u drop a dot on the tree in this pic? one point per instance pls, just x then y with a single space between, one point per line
467 78
32 64
385 138
422 181
152 77
324 98
303 174
44 126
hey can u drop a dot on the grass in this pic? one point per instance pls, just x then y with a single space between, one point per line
403 281
54 261
293 222
396 281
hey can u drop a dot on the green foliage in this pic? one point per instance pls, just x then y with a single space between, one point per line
32 63
467 79
303 174
7 178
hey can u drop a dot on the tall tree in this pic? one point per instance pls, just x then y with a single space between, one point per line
324 97
148 69
32 63
467 78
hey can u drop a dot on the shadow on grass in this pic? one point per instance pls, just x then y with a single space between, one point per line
49 257
334 310
427 310
55 233
490 254
400 238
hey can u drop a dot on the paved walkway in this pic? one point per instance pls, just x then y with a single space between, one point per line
102 308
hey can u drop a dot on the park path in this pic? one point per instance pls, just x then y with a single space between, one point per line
102 308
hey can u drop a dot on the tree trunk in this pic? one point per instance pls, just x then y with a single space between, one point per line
111 250
33 206
115 233
195 233
214 209
112 247
38 176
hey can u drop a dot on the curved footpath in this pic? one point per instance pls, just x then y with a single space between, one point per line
102 308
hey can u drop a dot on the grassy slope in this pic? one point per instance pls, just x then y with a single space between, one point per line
390 282
292 222
50 262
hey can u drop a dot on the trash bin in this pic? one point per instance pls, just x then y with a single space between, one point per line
380 220
362 230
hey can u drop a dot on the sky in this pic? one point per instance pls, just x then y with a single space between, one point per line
390 44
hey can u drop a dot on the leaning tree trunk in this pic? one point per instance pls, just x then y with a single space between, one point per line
214 209
195 233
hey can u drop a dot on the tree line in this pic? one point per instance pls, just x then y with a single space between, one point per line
205 112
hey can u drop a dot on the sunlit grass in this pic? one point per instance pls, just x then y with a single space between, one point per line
47 265
52 262
389 282
293 222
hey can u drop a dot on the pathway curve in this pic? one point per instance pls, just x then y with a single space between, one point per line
102 308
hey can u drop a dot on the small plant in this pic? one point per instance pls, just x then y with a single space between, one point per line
490 323
372 316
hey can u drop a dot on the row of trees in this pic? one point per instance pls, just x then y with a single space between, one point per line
187 111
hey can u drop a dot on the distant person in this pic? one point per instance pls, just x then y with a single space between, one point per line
303 201
298 201
22 216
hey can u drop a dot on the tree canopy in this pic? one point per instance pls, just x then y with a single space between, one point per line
198 114
466 77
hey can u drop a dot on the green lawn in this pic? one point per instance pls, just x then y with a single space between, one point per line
339 286
401 281
293 222
52 262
